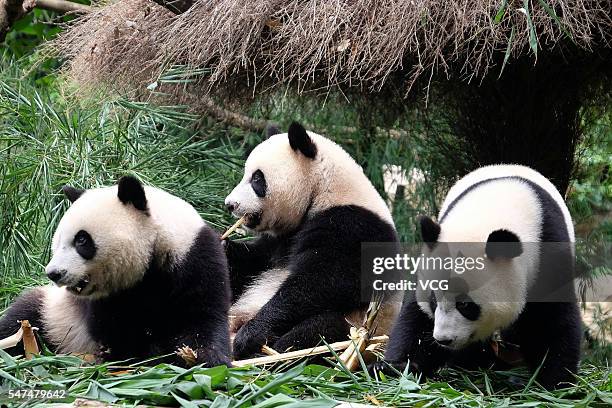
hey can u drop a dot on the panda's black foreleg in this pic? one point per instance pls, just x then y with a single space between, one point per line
210 343
549 335
28 306
331 326
411 341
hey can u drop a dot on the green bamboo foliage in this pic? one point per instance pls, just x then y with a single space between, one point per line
46 142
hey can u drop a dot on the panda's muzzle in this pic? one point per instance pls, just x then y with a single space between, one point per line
251 221
59 278
79 287
56 275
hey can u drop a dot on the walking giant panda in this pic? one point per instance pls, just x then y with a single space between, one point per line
137 274
517 215
312 207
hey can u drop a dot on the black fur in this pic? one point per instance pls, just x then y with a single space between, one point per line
26 307
299 140
547 333
429 230
72 193
323 257
184 304
84 244
174 305
258 183
130 190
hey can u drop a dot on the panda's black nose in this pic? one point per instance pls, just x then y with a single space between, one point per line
445 342
230 206
56 275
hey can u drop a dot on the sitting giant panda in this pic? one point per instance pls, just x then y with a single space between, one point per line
312 207
137 274
519 207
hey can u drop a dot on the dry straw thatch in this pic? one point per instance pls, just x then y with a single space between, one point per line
321 44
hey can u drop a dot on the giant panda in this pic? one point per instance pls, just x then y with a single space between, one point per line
519 208
137 274
311 207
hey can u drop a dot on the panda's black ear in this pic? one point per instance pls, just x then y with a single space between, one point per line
131 191
72 193
430 230
271 130
503 244
299 140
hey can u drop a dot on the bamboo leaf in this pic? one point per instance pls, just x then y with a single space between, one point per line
508 52
551 12
500 12
533 39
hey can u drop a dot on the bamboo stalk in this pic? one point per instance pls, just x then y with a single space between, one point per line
233 227
269 350
293 355
360 336
30 346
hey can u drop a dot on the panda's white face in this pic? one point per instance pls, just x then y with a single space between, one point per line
463 318
477 301
276 189
456 319
103 244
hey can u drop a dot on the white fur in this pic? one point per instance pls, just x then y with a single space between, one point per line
125 237
256 296
508 170
501 292
64 325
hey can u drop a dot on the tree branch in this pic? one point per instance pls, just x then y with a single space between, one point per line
13 10
231 118
62 6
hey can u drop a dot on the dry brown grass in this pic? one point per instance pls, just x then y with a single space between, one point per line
321 44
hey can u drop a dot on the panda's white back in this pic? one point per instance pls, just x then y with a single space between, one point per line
507 206
343 182
498 204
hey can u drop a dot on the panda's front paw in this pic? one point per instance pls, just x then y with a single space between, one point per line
250 338
102 354
212 357
390 368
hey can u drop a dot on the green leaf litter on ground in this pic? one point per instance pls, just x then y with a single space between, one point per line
303 384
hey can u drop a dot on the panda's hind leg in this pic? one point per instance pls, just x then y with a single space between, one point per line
331 326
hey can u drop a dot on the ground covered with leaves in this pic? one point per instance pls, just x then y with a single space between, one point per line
296 384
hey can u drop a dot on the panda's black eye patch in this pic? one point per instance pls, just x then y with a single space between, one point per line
258 183
433 303
84 244
466 306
